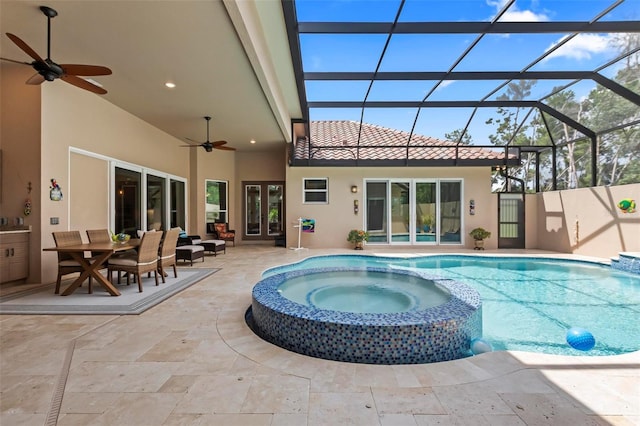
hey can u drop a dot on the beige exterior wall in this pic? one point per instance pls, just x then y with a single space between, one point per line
20 144
73 118
530 221
335 219
215 165
254 167
587 221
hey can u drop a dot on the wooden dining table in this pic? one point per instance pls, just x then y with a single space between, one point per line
91 266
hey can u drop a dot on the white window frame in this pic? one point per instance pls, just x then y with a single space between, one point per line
306 191
226 201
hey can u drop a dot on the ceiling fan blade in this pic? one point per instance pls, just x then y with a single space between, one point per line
36 79
225 148
83 84
218 143
25 47
16 62
85 70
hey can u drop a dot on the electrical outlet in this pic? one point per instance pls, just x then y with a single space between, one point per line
54 220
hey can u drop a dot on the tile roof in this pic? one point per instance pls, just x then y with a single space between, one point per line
338 140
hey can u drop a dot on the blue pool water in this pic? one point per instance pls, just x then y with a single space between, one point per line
529 303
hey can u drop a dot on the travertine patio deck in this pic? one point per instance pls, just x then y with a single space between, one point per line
193 361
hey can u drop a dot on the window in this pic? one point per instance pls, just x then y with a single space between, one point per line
216 203
315 191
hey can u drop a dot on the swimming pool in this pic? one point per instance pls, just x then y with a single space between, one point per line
529 303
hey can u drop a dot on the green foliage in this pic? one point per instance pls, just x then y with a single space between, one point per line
479 234
357 235
465 139
602 111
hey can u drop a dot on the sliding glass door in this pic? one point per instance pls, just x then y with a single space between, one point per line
414 211
145 199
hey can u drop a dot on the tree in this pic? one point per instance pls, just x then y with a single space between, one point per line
465 139
510 131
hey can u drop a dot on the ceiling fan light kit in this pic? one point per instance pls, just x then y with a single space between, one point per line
208 145
48 70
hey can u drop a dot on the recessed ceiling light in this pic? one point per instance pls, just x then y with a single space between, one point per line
170 85
253 141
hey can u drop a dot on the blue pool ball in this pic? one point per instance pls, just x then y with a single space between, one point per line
479 346
580 339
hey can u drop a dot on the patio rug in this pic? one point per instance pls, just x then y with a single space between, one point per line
42 301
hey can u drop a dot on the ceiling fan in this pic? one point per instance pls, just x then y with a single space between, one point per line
47 70
209 146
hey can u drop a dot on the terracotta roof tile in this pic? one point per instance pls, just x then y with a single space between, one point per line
338 140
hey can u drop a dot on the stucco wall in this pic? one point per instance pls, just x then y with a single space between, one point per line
587 221
335 219
20 145
77 118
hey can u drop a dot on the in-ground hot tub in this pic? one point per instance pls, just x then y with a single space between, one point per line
367 315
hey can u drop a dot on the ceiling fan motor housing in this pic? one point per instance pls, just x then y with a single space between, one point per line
48 69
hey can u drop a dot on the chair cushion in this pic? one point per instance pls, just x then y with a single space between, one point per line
226 235
123 261
192 249
216 242
220 227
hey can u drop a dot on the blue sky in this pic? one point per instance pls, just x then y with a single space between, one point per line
437 52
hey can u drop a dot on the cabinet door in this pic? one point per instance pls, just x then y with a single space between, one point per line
14 257
19 261
5 253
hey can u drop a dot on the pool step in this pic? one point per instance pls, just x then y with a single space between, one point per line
627 261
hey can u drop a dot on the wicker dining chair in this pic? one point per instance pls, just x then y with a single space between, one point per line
66 263
146 259
167 254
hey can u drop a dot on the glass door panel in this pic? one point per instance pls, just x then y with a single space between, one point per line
400 211
376 214
178 208
127 218
156 205
426 213
253 208
450 212
276 209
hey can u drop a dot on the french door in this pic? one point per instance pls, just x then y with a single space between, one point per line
414 211
263 212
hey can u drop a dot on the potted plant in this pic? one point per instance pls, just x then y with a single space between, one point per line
358 237
479 235
428 223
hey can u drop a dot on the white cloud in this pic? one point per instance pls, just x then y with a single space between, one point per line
523 16
515 15
444 84
581 47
